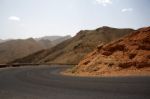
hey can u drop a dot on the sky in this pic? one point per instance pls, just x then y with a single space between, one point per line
37 18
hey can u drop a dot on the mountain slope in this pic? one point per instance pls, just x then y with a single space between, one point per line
14 49
1 40
45 43
73 50
61 39
53 39
128 55
50 38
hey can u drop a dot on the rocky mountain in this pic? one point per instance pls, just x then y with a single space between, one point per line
71 51
129 55
14 49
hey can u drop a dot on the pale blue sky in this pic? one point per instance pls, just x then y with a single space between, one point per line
36 18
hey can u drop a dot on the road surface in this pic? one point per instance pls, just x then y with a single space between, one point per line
45 82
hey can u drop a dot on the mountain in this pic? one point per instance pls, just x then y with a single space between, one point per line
61 39
129 55
71 51
45 43
14 49
50 38
1 40
53 39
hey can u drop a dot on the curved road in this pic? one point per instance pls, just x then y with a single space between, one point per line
46 83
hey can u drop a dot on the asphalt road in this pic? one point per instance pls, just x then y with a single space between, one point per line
46 83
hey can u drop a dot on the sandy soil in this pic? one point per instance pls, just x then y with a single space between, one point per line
120 73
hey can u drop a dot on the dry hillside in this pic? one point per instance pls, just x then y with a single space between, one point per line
14 49
126 56
73 50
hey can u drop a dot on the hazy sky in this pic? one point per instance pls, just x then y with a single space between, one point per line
35 18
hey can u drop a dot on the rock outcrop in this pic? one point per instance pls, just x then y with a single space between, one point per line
130 53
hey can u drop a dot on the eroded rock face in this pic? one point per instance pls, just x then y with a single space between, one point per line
132 51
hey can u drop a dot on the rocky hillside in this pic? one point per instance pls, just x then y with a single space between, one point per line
14 49
128 55
73 50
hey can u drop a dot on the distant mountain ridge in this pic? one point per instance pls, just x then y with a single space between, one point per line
54 39
61 39
18 48
51 38
1 40
71 51
14 49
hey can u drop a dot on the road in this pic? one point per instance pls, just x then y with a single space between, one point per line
45 82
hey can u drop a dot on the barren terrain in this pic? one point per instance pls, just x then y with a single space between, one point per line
129 55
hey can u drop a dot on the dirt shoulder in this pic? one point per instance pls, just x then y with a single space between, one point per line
111 73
